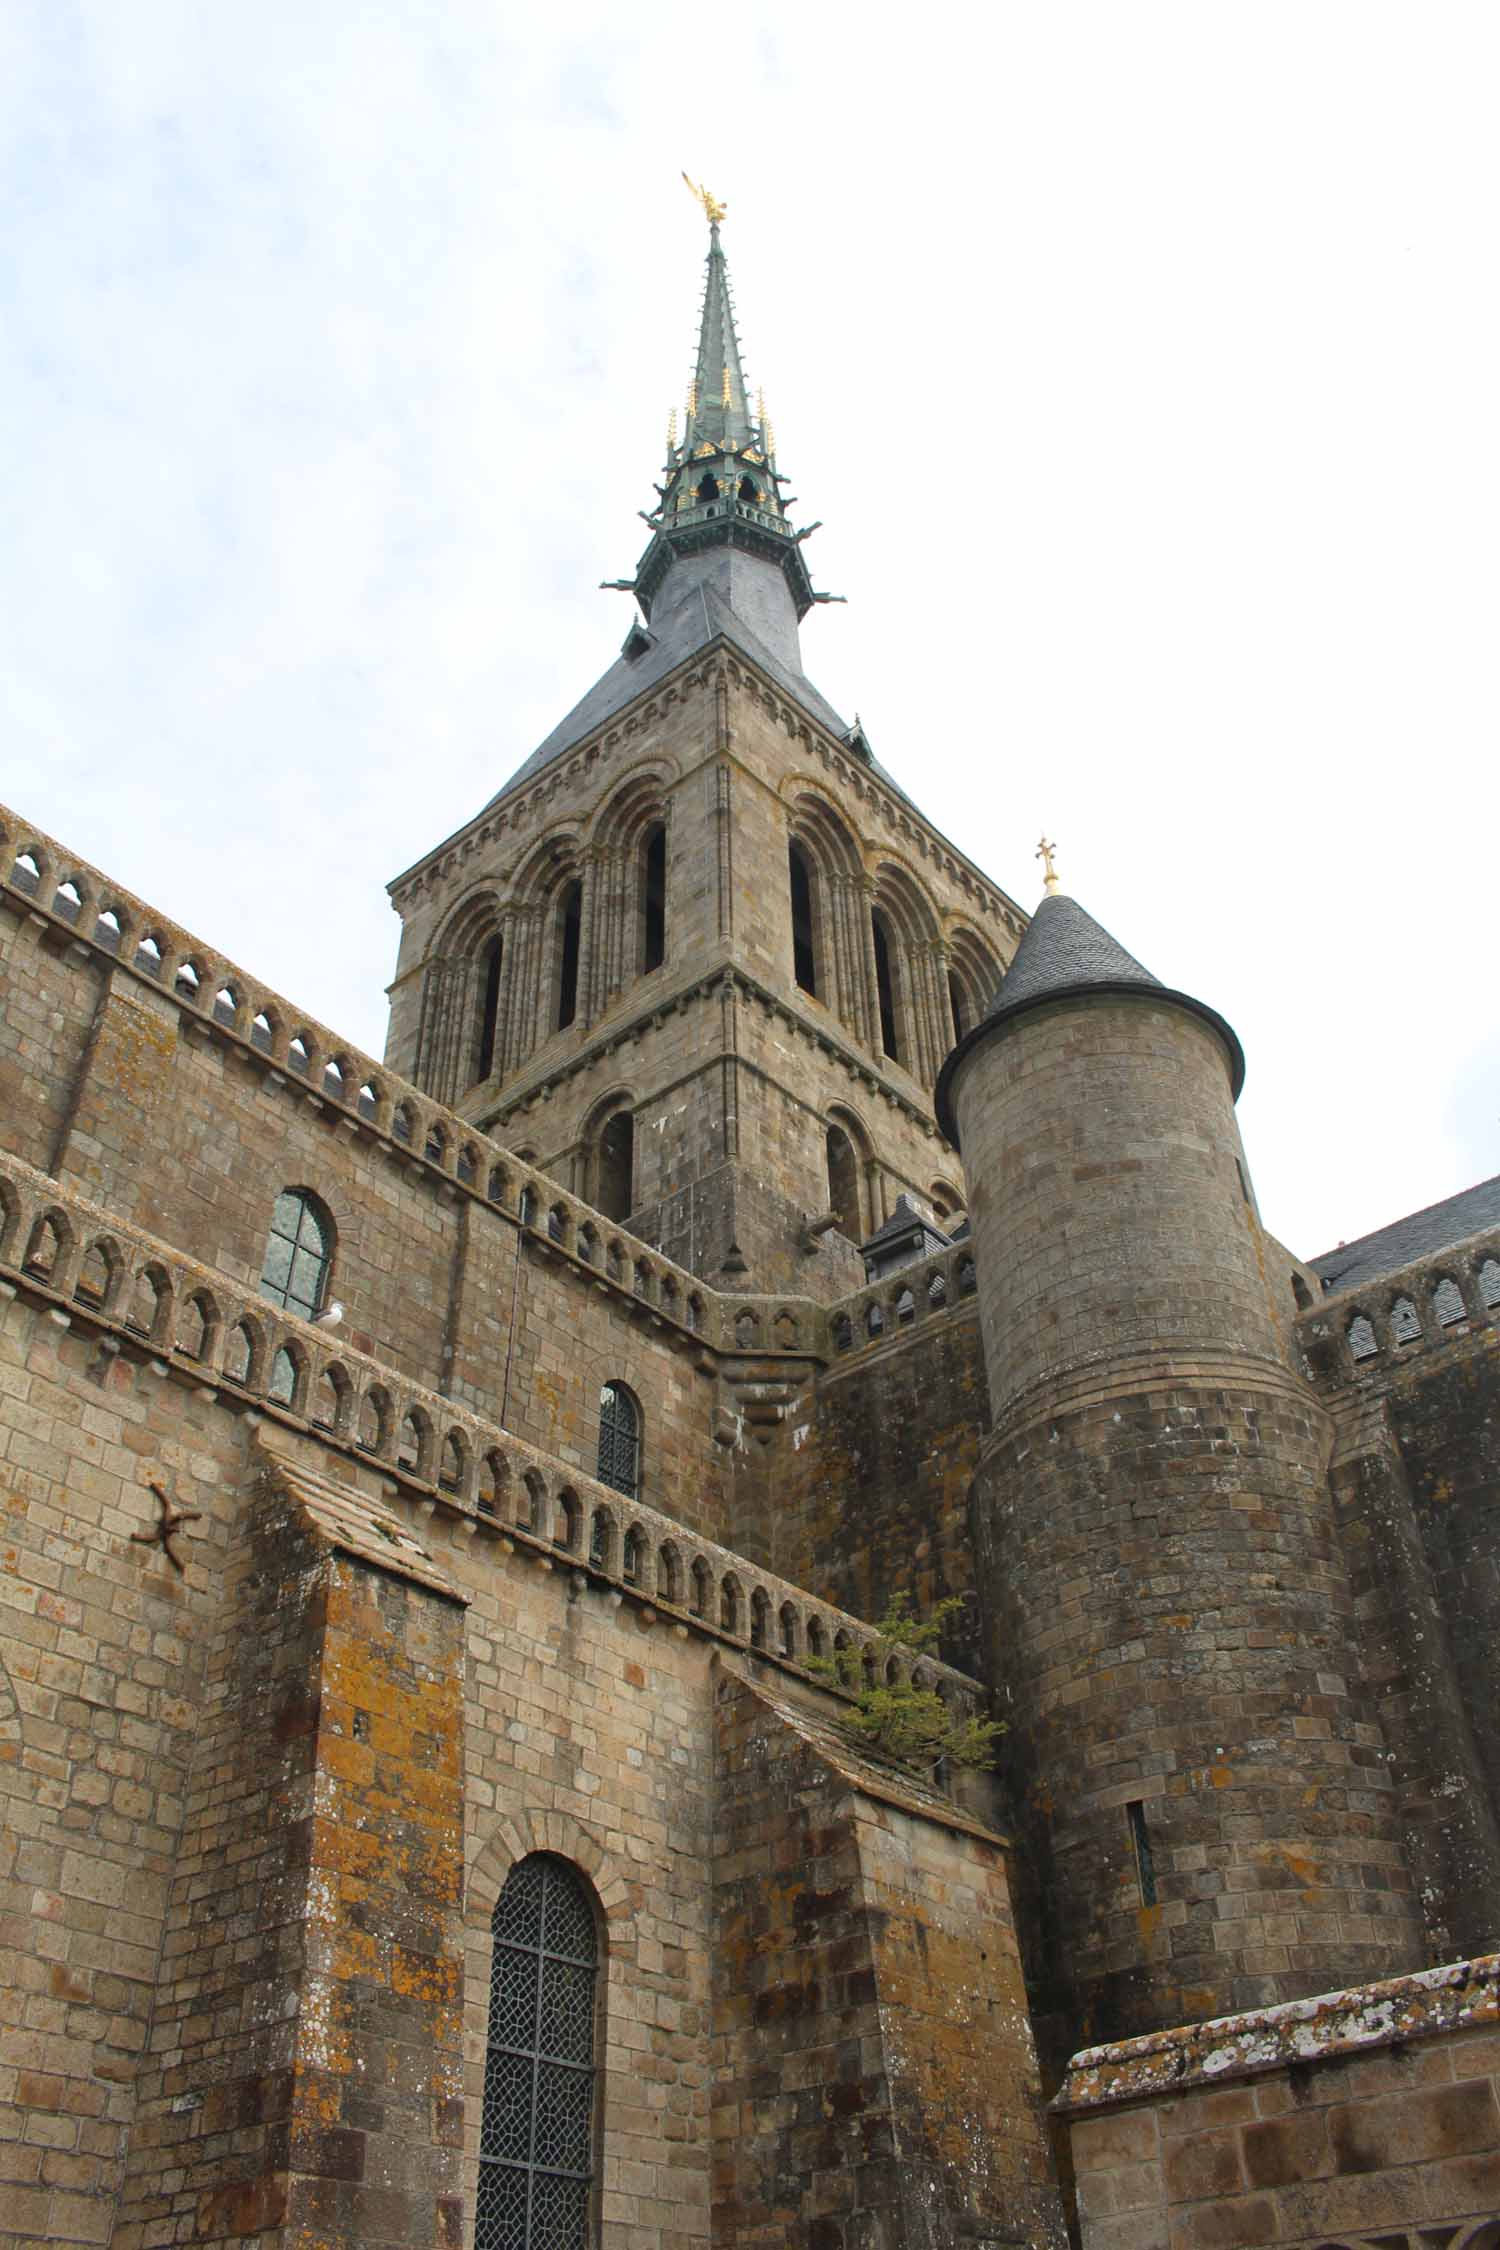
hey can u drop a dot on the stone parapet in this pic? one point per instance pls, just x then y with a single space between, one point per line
1362 1334
75 905
1357 2118
206 1332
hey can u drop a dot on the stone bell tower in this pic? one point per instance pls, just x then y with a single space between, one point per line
1202 1776
700 957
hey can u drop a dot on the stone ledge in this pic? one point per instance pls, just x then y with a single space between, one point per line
1458 1996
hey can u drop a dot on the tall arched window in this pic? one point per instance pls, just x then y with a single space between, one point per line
958 1001
843 1182
885 986
569 920
538 2140
299 1253
654 900
490 962
614 1184
619 1440
804 945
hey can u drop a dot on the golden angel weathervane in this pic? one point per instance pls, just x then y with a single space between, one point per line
713 209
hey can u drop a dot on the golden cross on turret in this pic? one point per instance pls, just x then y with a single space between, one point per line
1044 853
713 209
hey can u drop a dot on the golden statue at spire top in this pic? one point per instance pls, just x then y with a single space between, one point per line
713 209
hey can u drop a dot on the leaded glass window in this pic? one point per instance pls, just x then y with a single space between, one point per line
536 2142
299 1252
619 1440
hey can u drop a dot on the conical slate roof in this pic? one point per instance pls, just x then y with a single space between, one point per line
1063 947
1065 954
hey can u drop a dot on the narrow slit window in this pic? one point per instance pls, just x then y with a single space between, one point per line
491 960
654 901
1145 1865
615 1166
885 985
804 951
843 1181
569 924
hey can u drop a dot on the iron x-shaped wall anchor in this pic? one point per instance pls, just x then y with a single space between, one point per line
167 1526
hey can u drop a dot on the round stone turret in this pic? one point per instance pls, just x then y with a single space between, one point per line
1201 1773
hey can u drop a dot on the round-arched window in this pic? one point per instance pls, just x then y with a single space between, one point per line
619 1440
538 2134
299 1253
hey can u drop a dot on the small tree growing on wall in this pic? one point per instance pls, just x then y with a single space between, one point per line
894 1719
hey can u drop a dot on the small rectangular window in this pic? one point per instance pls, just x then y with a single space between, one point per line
1145 1866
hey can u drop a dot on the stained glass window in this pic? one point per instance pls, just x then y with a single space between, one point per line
298 1253
536 2142
619 1440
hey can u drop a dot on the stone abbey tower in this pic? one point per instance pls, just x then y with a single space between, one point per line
434 1490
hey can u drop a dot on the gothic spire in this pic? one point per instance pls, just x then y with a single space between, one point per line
718 407
721 488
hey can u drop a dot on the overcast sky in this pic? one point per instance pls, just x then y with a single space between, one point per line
1142 361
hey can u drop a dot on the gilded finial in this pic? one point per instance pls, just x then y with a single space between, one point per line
1044 853
672 431
760 407
713 209
724 398
692 400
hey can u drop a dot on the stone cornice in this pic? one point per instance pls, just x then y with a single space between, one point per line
1459 1996
527 1088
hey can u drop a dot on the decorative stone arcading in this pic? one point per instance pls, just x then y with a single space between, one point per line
1363 1333
189 1322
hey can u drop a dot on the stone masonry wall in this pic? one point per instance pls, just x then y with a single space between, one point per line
1190 1654
178 1933
183 1128
869 1495
874 2076
104 1645
1096 1126
302 2072
1446 1419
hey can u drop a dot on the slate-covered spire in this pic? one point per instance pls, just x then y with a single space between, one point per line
721 488
718 408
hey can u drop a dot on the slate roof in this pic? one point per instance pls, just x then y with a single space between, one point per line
905 1221
1418 1235
679 634
1063 951
1063 946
